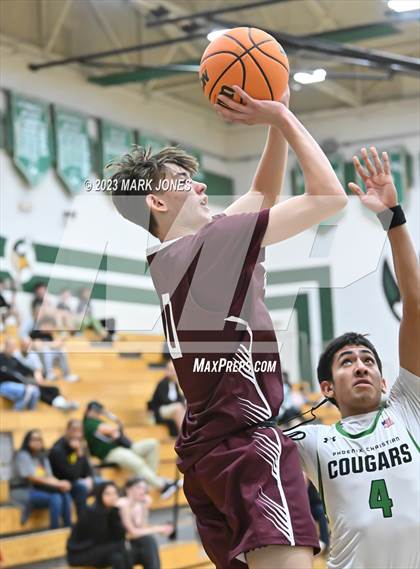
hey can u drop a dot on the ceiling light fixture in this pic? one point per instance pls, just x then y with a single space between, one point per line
306 78
216 34
404 5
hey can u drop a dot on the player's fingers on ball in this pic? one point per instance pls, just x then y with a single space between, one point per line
243 94
223 111
378 163
367 161
232 104
355 189
386 163
359 168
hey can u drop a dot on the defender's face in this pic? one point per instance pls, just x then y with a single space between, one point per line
185 201
357 382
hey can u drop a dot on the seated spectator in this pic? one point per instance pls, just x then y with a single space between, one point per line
134 508
51 351
42 305
50 394
34 486
107 442
88 320
167 403
8 308
67 318
14 385
98 537
69 461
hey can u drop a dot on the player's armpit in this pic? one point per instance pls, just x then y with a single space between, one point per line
298 214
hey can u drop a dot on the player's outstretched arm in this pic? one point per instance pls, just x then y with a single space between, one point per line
324 196
269 176
268 180
381 195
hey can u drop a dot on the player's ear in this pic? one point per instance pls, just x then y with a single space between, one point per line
327 388
156 203
384 385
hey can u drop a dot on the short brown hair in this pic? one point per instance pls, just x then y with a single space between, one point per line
141 164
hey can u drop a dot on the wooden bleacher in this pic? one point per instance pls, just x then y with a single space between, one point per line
43 546
124 384
120 376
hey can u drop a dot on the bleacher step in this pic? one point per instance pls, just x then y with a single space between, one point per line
35 547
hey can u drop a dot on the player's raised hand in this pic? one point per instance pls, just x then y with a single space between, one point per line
250 111
381 192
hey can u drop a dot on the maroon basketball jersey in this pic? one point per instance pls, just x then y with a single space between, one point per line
220 335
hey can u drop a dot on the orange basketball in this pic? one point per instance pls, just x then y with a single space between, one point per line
247 57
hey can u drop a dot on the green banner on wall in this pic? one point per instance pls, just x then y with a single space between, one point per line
298 181
116 141
73 148
31 131
400 171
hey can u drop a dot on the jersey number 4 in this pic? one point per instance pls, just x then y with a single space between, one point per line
379 498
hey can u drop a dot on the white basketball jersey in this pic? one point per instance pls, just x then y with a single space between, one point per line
367 471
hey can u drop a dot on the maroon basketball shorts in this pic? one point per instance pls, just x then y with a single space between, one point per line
248 493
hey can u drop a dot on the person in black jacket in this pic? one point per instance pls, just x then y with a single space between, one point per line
14 384
69 461
98 537
17 367
168 403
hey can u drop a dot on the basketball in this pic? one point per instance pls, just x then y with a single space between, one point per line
247 57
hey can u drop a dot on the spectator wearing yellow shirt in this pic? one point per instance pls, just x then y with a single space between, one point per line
70 461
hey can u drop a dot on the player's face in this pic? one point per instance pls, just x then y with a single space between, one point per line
357 382
186 200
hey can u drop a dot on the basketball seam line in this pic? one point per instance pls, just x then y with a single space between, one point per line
267 54
220 52
238 58
254 60
227 69
234 53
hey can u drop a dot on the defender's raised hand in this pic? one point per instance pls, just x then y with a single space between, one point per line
381 192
